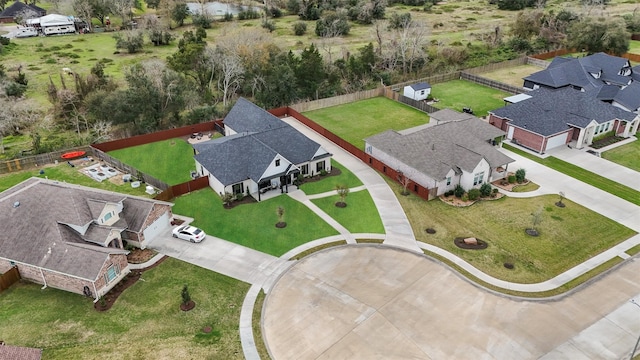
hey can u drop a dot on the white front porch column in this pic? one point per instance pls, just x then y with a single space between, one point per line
636 122
579 143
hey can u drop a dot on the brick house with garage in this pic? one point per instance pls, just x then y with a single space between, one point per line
460 150
551 118
72 237
259 154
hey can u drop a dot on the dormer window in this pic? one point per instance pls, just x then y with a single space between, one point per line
107 216
278 162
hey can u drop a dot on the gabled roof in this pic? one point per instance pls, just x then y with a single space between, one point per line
629 96
17 7
245 116
577 72
38 236
260 138
549 112
439 149
446 115
420 86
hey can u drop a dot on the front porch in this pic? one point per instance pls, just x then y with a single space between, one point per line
270 192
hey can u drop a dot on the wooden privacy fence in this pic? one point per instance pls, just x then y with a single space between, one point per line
30 162
336 100
434 79
492 83
184 188
420 105
497 66
9 278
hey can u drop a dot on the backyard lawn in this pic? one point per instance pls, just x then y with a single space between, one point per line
593 179
360 215
144 323
358 120
329 183
511 75
568 236
253 225
170 160
457 94
626 155
634 47
65 173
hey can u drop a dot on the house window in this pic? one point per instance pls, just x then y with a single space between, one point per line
422 92
238 188
320 166
278 162
478 178
415 187
449 181
112 273
107 216
305 169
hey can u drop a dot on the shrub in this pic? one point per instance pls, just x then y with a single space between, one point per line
248 14
202 20
512 179
465 197
299 28
14 89
323 172
227 16
275 12
332 24
458 191
485 189
520 175
474 194
269 25
4 40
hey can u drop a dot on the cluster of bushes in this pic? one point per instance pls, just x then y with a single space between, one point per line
474 194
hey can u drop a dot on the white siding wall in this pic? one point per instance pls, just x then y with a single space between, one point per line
467 178
442 185
216 185
273 169
228 131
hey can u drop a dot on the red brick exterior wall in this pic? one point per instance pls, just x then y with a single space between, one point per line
73 284
156 212
528 139
498 122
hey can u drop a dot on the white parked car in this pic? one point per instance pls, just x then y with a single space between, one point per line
189 233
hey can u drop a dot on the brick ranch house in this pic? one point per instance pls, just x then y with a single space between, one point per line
259 153
72 237
460 149
551 118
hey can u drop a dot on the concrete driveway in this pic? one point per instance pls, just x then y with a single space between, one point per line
372 302
224 257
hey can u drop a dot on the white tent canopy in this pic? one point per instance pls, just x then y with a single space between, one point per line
51 20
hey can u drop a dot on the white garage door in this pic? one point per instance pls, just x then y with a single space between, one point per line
556 141
163 223
510 132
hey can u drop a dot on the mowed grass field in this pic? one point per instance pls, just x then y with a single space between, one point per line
358 120
144 323
253 225
512 75
360 215
169 160
324 184
626 155
458 94
568 236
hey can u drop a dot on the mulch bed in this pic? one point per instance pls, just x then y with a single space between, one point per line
318 177
341 204
505 185
108 299
139 256
188 306
531 232
245 200
599 144
430 231
281 225
459 241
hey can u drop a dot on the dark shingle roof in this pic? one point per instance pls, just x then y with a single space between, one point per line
260 138
438 149
10 352
629 97
420 86
18 7
39 236
245 116
549 112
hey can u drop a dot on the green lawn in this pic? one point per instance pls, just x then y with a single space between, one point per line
65 173
457 94
358 120
170 160
328 183
253 225
634 47
144 323
602 183
626 155
360 215
568 236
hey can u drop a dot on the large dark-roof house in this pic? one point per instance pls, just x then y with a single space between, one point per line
444 155
19 8
604 77
71 237
258 153
552 118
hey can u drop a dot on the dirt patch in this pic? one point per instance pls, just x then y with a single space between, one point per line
188 306
107 300
139 256
531 232
341 204
281 225
430 231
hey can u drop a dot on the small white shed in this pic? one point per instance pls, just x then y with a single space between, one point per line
417 91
